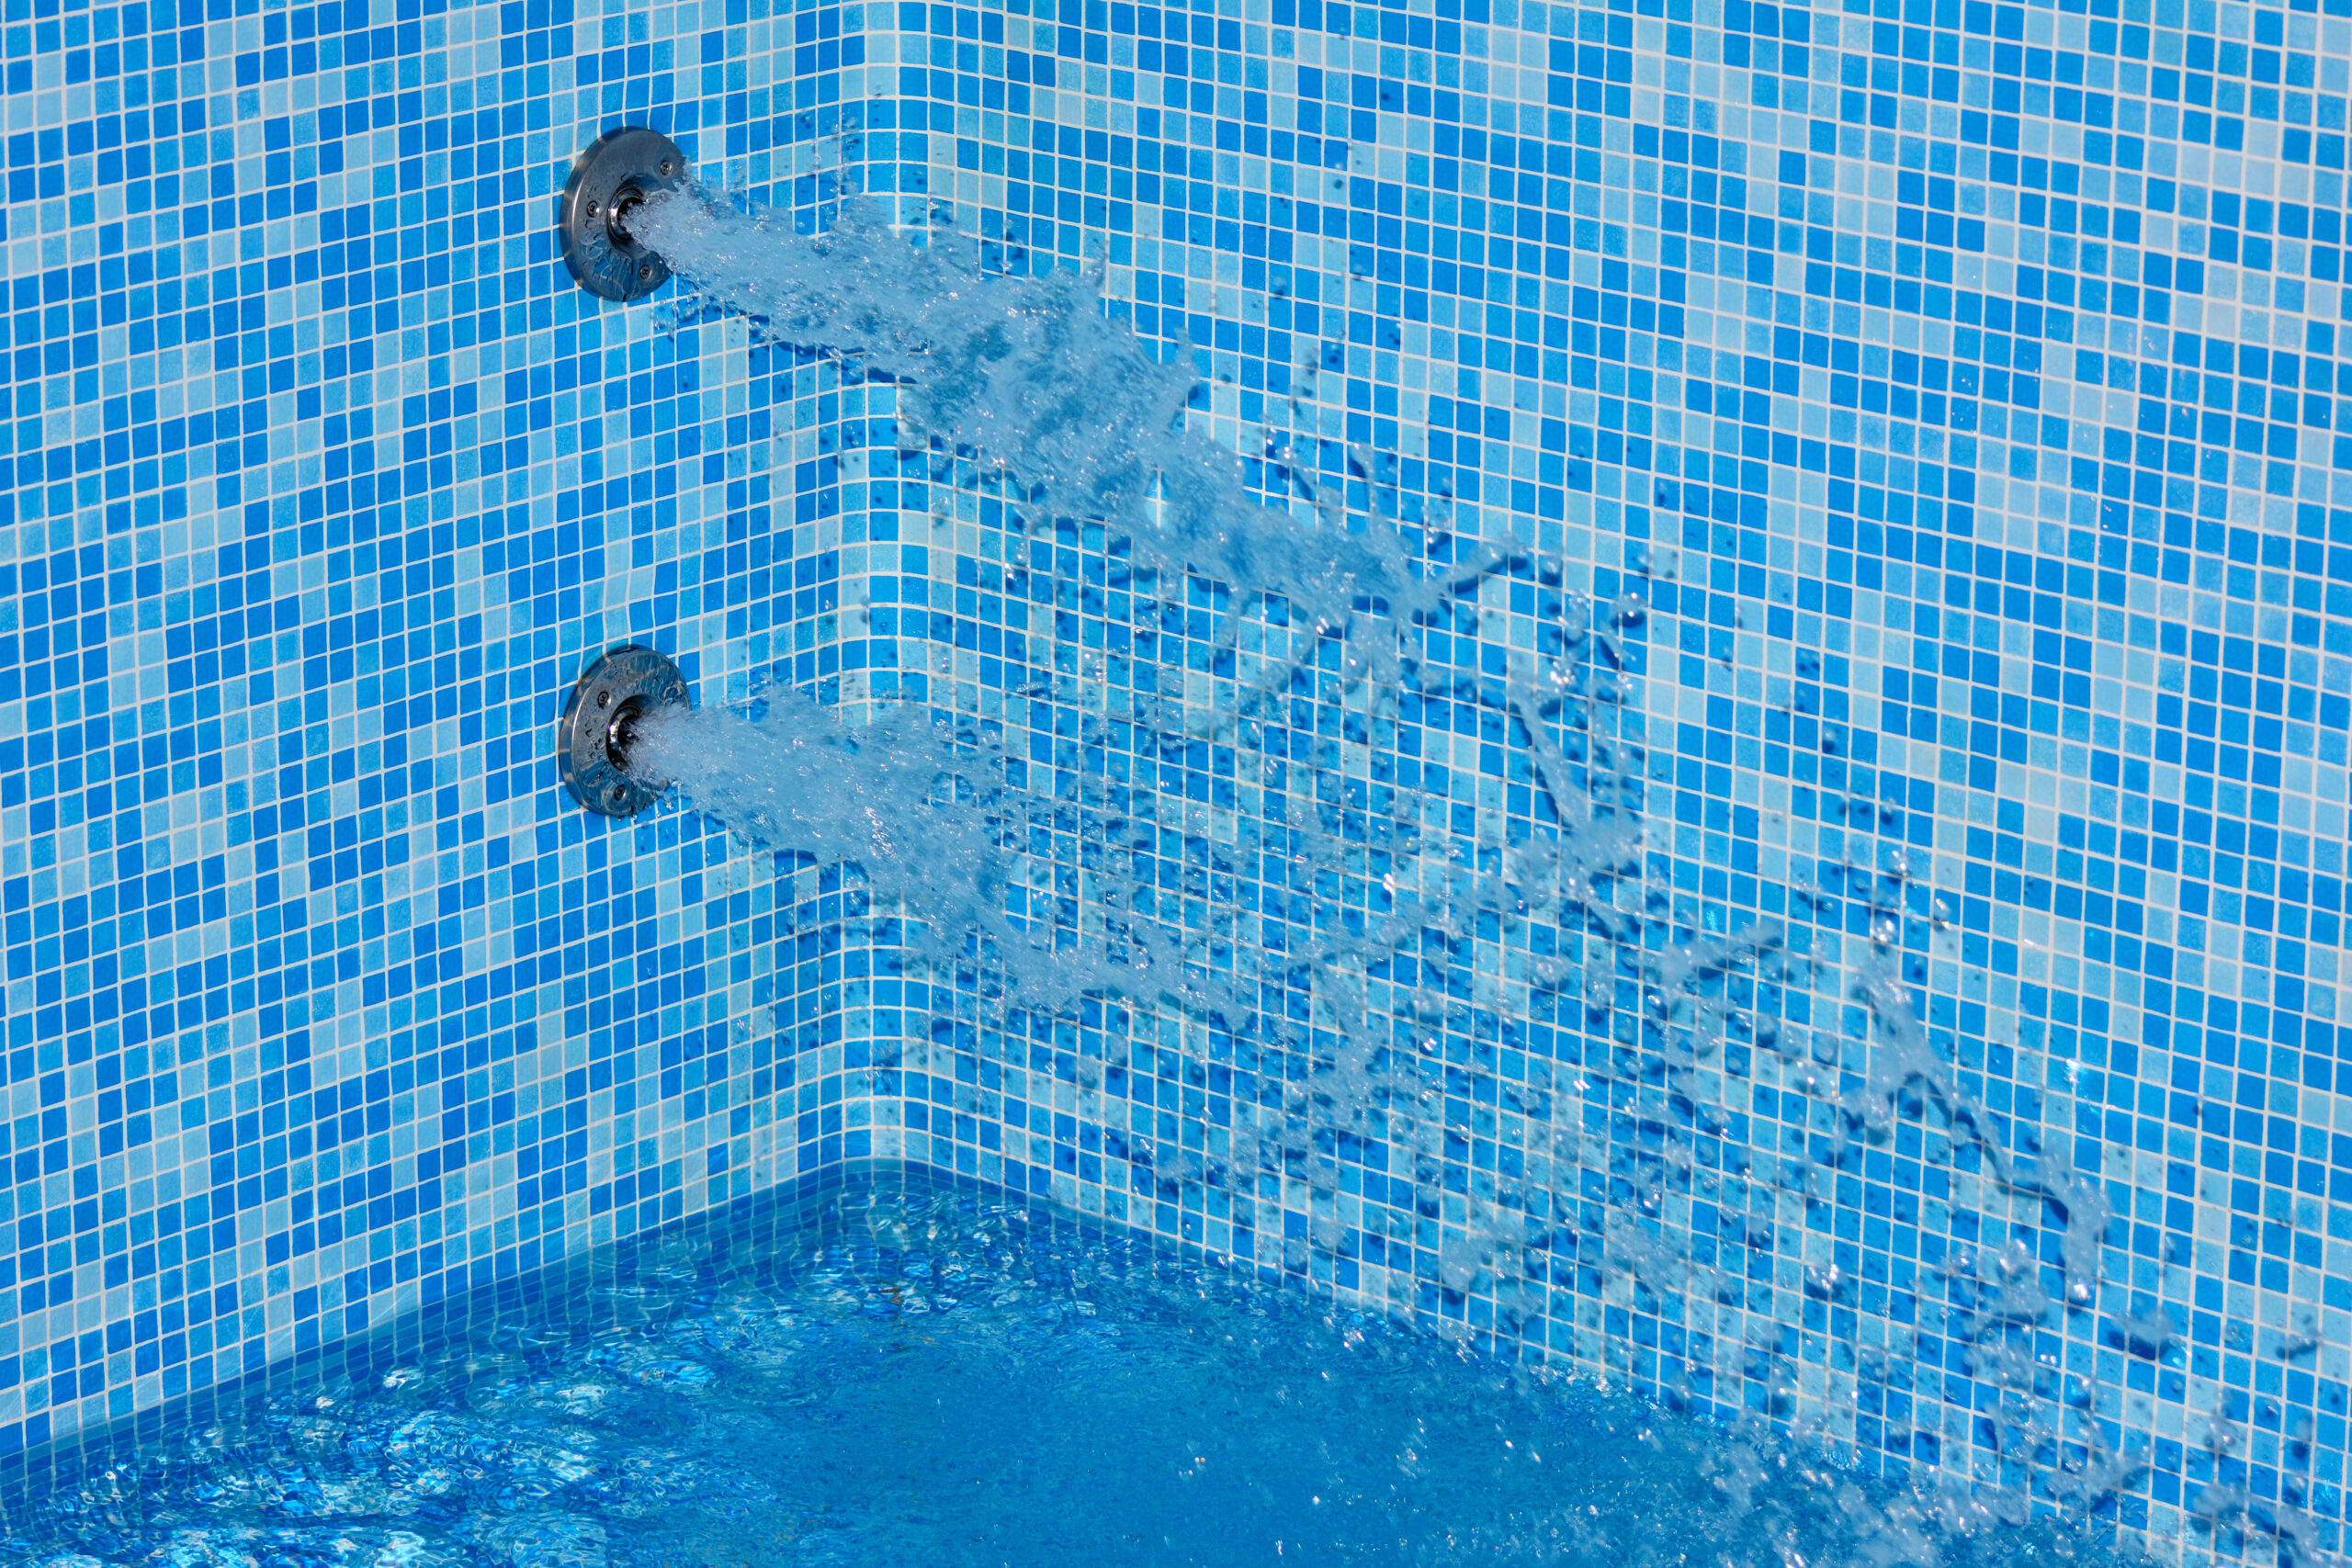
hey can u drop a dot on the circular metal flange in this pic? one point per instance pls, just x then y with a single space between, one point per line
592 744
619 169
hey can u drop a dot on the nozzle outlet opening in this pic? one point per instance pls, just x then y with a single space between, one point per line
600 722
609 183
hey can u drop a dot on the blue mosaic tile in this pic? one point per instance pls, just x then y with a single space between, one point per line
1947 398
319 1009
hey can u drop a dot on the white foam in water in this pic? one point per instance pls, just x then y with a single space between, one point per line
1036 389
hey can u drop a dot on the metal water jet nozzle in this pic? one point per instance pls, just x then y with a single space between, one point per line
611 698
609 182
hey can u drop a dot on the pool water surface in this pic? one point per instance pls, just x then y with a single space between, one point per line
901 1372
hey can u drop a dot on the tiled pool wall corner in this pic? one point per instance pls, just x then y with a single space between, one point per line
1959 386
322 483
1955 383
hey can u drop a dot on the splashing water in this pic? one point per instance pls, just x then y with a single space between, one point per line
931 826
1379 931
1031 373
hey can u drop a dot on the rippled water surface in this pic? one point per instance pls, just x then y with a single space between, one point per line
946 1378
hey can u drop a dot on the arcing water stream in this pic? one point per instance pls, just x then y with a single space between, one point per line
1378 929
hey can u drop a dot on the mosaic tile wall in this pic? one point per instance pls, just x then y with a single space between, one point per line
1939 400
323 482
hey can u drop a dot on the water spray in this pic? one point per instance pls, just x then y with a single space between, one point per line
1087 419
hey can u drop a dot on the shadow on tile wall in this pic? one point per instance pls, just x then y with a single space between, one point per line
1938 401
